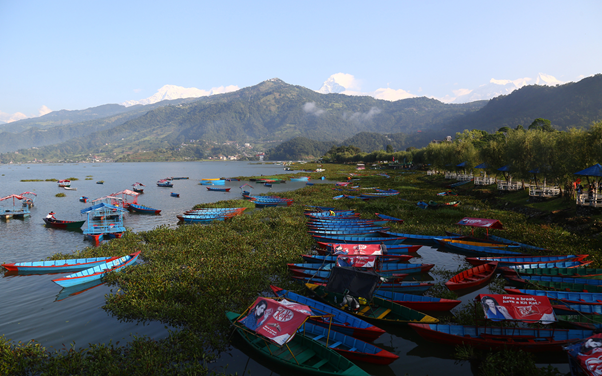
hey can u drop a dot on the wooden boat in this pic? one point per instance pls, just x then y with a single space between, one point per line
326 259
377 309
562 296
198 219
512 269
180 178
526 339
388 218
164 183
137 187
386 269
584 281
577 309
324 275
418 302
342 322
301 178
521 245
562 272
356 233
403 287
142 209
83 199
57 266
351 348
423 239
216 189
173 194
65 225
100 182
301 353
225 211
472 250
325 221
70 188
64 183
359 240
519 260
97 272
477 276
332 214
588 322
549 285
327 248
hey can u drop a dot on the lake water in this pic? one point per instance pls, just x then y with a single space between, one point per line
33 307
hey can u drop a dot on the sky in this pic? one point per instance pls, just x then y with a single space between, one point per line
79 54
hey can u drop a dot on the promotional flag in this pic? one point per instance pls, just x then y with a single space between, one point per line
527 308
276 320
356 249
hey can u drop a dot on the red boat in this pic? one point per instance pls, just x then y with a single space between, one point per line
479 275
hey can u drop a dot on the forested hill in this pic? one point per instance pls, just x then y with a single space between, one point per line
576 104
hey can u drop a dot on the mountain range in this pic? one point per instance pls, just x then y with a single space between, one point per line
273 111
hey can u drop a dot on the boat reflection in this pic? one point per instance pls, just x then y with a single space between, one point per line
76 290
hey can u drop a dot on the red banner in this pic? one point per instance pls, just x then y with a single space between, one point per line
356 249
276 320
527 308
356 261
480 222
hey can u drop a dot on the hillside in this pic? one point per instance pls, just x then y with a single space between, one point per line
576 104
273 111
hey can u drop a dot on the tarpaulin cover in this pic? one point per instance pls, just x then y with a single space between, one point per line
504 169
357 283
276 320
588 353
527 308
481 222
482 165
535 171
595 170
463 164
356 249
356 261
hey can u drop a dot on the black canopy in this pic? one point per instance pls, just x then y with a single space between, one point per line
358 283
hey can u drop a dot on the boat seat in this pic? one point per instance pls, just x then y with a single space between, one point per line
317 338
353 349
304 356
320 363
334 345
384 313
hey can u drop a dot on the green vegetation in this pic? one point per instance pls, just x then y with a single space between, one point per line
29 180
60 195
226 265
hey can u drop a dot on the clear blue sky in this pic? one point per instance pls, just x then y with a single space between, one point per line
80 54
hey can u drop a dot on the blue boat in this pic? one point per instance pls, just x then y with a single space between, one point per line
346 221
472 250
348 346
581 281
359 240
173 194
97 272
342 322
386 269
519 260
521 245
83 199
562 264
105 221
388 218
576 309
562 296
332 213
326 259
142 209
164 183
422 239
418 302
358 233
57 266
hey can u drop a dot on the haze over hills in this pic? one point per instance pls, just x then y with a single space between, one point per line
273 111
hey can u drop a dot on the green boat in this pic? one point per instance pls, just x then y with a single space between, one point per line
301 353
588 273
353 290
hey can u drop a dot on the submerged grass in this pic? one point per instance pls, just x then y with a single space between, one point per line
190 275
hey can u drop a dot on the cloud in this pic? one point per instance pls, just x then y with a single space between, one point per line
362 116
311 108
44 110
223 89
137 90
389 94
460 92
169 92
9 118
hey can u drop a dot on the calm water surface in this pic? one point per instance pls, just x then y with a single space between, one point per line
33 307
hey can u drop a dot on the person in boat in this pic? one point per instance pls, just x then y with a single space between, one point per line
383 248
50 216
493 310
257 316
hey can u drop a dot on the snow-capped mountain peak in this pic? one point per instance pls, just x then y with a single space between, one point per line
169 92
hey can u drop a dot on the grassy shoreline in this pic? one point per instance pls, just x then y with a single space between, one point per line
226 265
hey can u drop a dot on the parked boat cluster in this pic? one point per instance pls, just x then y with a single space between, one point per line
356 277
